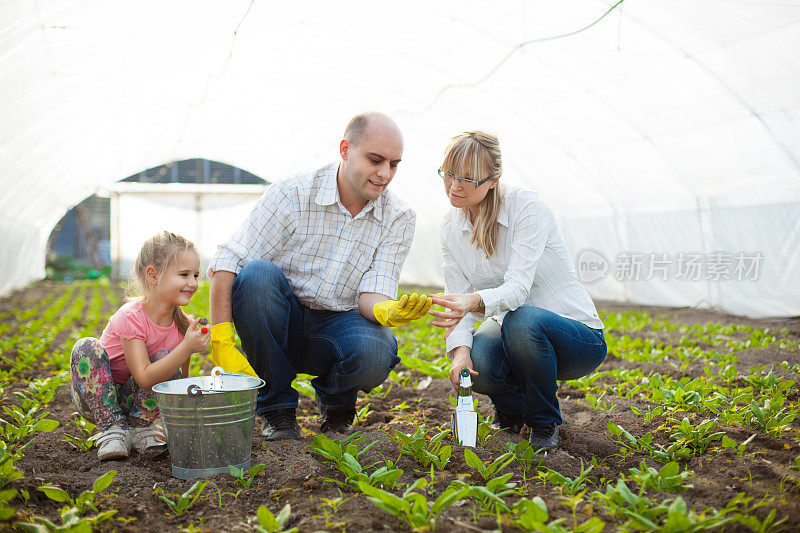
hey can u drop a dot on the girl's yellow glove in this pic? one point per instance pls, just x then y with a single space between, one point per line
391 313
224 352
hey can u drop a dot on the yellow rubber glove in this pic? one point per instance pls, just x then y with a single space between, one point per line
400 312
224 352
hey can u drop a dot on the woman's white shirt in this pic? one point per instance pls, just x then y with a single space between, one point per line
530 265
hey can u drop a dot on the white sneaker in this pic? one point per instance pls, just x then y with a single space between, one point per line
113 443
149 440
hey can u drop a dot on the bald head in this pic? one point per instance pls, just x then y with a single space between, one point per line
360 123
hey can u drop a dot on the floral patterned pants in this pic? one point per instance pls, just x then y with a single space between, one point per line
98 399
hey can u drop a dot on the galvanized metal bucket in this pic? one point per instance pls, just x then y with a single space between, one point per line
208 421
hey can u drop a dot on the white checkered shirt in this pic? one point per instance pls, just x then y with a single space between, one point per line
530 265
328 255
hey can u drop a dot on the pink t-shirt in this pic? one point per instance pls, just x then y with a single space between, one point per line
131 322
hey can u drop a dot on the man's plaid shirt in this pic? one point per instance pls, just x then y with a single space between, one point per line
328 255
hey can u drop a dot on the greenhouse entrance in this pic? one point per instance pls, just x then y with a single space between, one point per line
86 242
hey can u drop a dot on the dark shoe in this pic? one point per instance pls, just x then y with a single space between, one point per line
544 436
280 424
337 420
506 422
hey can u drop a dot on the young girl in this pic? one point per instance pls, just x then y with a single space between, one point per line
147 341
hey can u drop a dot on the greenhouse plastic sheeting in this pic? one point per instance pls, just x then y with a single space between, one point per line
664 135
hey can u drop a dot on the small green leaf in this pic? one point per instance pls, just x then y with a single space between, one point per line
284 513
670 469
102 483
266 519
46 425
6 512
472 459
54 493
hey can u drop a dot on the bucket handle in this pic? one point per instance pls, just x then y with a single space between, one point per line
195 389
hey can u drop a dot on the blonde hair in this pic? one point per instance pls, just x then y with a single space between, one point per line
476 155
158 252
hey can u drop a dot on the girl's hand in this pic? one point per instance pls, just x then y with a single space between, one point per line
461 360
196 341
457 306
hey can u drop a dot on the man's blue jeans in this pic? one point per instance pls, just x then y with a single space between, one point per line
519 361
281 338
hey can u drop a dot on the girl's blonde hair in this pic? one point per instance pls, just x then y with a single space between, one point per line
476 155
158 252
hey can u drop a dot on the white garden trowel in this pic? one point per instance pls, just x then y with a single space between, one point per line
465 419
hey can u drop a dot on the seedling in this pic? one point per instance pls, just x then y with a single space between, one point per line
565 484
525 454
739 506
599 402
668 479
382 391
363 412
771 416
304 387
425 453
727 442
402 406
414 508
25 420
344 455
6 511
269 523
626 440
650 413
628 443
485 432
488 469
179 506
86 500
245 478
531 515
491 496
331 506
8 471
83 441
71 520
698 437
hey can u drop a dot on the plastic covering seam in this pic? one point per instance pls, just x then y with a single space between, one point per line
517 47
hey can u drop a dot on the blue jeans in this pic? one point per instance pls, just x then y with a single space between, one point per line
281 338
519 361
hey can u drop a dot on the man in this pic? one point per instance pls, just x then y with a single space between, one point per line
308 281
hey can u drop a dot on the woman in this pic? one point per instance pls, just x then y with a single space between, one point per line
505 262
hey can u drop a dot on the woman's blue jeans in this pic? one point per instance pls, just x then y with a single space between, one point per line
519 361
282 338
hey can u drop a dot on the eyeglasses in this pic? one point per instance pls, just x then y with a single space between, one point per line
463 181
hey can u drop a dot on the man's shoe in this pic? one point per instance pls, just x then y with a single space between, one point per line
337 420
506 422
280 424
544 436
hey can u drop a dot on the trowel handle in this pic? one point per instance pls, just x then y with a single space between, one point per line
465 385
465 380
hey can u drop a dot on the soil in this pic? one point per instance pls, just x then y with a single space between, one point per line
295 476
